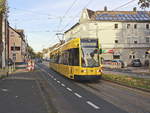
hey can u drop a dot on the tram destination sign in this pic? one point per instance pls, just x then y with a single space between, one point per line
89 43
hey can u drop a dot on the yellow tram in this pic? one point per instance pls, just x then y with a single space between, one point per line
78 59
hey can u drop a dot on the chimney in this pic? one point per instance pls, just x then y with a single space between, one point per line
134 9
105 8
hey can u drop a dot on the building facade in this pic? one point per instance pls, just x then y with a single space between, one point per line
17 45
125 33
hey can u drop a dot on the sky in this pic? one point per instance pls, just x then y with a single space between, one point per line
42 19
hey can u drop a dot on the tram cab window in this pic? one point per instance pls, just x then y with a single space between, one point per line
89 53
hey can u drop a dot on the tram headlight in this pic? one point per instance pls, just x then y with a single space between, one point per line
99 70
83 71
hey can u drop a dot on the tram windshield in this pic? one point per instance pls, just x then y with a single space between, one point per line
89 53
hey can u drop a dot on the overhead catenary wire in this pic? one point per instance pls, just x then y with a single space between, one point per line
123 5
33 12
76 15
67 11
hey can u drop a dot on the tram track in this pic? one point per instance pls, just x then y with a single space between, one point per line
129 99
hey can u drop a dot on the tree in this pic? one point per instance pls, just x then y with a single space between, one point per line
3 6
31 52
39 55
44 51
144 3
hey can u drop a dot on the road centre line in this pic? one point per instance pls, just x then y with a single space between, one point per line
93 105
63 85
78 95
58 81
69 89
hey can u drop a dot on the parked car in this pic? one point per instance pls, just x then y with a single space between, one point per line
119 61
136 63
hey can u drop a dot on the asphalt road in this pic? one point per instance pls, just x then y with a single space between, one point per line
70 97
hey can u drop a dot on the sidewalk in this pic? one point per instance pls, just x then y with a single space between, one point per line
3 72
20 93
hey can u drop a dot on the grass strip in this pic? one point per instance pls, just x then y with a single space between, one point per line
140 83
1 77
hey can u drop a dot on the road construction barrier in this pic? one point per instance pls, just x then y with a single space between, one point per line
113 65
21 66
30 65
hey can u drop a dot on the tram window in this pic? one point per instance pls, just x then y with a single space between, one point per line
74 57
61 58
66 58
57 58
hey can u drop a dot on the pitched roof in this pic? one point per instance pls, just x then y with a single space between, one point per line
138 16
19 32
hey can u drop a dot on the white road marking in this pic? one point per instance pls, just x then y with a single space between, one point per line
69 89
58 81
78 95
93 105
63 85
54 78
5 90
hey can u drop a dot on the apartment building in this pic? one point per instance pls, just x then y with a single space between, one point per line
125 33
17 45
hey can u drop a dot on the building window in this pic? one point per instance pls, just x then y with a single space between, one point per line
116 26
116 56
15 48
147 26
135 26
135 42
11 35
116 41
130 56
12 32
128 26
147 39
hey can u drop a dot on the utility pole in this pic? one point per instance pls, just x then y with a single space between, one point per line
14 55
149 59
